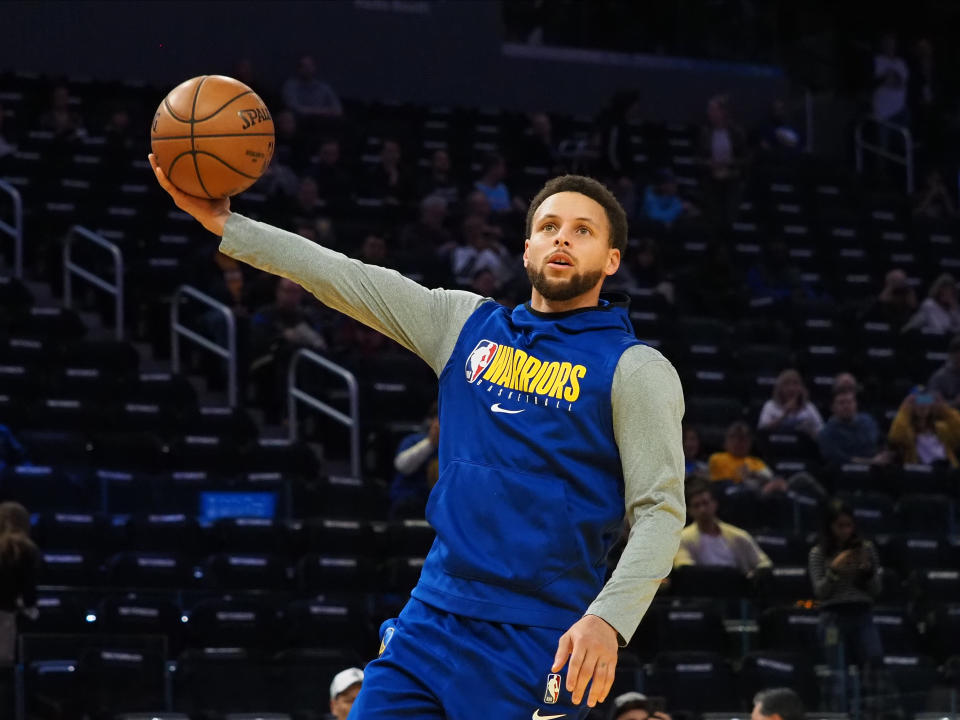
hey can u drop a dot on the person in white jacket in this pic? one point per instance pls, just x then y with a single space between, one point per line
940 312
790 408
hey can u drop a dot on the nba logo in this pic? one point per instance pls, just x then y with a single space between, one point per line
478 360
553 689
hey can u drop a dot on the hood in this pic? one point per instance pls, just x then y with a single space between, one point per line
612 313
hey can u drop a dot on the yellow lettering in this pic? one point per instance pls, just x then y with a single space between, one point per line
519 357
548 376
573 390
530 368
507 376
496 365
556 390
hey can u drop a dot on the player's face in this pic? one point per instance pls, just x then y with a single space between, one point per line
568 252
703 508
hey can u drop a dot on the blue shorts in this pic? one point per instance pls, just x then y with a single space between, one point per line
434 664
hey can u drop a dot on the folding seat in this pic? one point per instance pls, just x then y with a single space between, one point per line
346 497
129 450
898 634
324 623
766 669
232 623
65 413
925 479
782 548
909 678
164 532
115 356
245 571
15 296
330 536
790 628
84 383
135 569
787 582
938 585
873 512
68 567
851 479
63 531
212 453
57 324
223 421
692 625
332 573
773 445
919 551
402 573
121 680
738 504
926 513
139 615
755 358
128 491
708 581
41 488
30 352
943 632
242 534
53 689
693 682
60 613
220 679
279 455
410 537
708 375
134 416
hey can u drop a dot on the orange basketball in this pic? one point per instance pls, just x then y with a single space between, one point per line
212 136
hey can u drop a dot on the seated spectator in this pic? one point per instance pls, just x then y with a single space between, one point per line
343 692
844 573
482 250
64 123
374 251
933 201
775 277
440 181
388 179
19 563
635 706
491 184
7 147
737 465
428 236
896 303
925 430
484 283
118 140
845 382
276 331
694 466
850 436
308 96
709 541
280 180
477 206
890 75
779 136
940 311
723 149
307 208
790 407
945 382
661 204
540 148
11 451
777 704
334 182
417 469
642 271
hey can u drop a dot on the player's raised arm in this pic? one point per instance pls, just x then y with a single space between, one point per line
424 321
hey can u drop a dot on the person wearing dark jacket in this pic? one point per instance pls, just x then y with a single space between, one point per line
19 560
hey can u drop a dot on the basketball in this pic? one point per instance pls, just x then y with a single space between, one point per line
212 136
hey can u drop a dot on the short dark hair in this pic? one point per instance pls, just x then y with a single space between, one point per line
780 701
593 189
694 487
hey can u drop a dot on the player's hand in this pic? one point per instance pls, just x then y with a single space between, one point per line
591 645
212 214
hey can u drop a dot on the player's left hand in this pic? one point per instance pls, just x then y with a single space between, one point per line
591 644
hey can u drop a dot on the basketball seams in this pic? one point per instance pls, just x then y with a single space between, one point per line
218 135
193 142
217 111
225 164
166 104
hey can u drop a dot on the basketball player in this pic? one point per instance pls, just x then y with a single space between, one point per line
555 420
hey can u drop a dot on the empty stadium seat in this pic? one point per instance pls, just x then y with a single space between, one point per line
693 682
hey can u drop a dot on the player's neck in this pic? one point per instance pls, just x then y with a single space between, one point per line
541 304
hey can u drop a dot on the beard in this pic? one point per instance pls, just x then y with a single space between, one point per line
558 290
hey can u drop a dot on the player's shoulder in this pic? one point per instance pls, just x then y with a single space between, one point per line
637 356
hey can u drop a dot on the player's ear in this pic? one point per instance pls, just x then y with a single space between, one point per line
613 261
526 252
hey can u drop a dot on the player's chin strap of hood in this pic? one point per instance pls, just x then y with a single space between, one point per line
613 312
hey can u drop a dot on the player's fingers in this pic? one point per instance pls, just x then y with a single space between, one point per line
608 681
564 646
587 670
161 177
577 656
599 682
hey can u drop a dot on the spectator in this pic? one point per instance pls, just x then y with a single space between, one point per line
308 96
736 464
480 251
289 158
933 202
775 277
777 704
896 303
844 572
539 145
440 181
710 542
850 436
694 466
491 184
343 691
428 236
890 75
6 146
945 382
64 123
307 207
484 283
779 136
643 271
388 179
19 562
845 382
417 469
939 313
723 149
790 407
926 97
635 706
11 451
276 331
661 204
925 430
334 182
118 141
374 251
478 206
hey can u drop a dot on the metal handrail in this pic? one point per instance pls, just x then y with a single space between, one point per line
906 159
228 352
351 421
15 231
70 269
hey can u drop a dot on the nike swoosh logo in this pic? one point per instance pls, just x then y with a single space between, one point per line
538 716
497 409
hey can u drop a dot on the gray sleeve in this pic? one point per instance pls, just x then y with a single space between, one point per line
426 322
647 413
822 577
